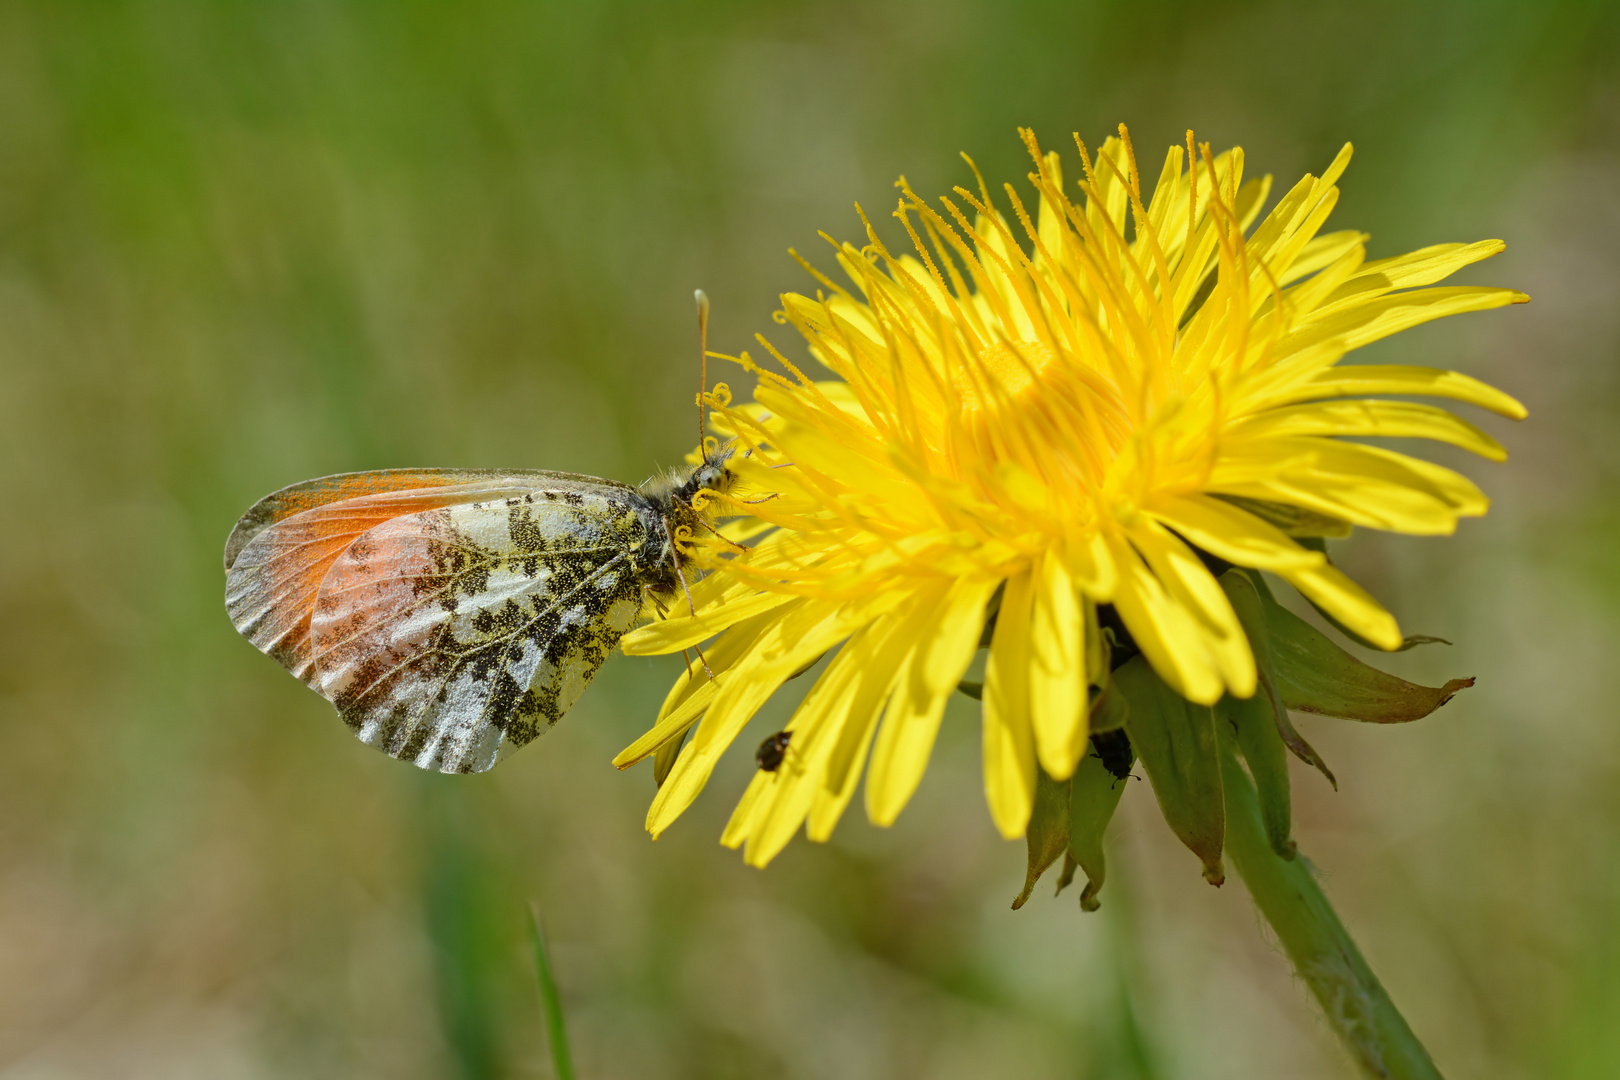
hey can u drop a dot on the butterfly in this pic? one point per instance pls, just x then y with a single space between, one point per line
454 615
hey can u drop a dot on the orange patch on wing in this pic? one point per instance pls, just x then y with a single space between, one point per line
311 494
358 486
367 621
276 575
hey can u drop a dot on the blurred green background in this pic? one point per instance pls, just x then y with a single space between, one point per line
245 244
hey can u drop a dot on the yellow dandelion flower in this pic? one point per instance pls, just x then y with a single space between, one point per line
1044 430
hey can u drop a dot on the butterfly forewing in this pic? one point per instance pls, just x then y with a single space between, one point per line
450 624
273 576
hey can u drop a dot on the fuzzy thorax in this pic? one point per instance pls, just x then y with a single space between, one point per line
672 501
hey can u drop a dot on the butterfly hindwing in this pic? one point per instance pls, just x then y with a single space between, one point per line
449 624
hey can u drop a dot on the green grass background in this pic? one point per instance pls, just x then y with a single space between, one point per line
245 244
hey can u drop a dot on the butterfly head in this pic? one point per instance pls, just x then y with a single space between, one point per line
711 474
674 500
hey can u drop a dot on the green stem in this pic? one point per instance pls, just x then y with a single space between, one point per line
550 1001
1322 951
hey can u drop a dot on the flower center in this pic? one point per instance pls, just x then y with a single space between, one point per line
1003 371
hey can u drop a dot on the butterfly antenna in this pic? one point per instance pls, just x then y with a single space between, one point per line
703 366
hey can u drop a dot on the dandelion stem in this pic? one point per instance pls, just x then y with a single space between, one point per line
1322 952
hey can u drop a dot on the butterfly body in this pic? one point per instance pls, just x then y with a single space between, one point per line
453 616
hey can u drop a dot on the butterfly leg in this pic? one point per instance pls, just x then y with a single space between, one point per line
676 556
721 535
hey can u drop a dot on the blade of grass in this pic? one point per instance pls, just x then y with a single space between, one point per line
1127 1049
562 1061
462 911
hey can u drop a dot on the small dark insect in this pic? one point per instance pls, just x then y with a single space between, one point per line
1114 750
772 751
